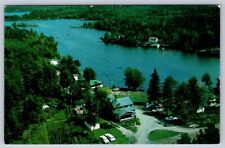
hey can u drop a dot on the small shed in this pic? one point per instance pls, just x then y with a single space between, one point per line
45 107
153 40
92 127
54 62
76 77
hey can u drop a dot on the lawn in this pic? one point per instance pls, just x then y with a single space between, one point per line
120 138
131 124
59 116
36 134
137 97
161 134
55 131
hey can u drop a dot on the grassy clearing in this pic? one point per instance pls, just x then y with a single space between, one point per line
131 124
161 134
120 138
137 97
56 131
36 134
60 116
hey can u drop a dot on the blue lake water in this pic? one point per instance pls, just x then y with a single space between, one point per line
110 61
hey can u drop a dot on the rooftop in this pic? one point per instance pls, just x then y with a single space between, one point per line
54 62
122 111
124 101
95 82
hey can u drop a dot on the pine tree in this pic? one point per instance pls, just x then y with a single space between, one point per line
207 79
154 87
89 74
217 88
168 92
194 93
182 102
210 135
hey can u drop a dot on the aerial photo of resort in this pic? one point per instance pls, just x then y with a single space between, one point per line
112 74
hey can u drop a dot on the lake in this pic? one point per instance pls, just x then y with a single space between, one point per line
110 61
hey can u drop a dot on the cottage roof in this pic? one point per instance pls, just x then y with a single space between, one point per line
54 62
76 77
121 105
153 37
45 106
124 101
95 82
120 112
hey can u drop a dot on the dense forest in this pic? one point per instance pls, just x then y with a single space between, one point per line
32 82
186 98
183 99
27 80
188 28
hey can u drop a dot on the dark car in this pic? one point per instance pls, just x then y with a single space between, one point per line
175 120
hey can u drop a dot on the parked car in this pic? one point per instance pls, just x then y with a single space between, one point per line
110 137
116 89
104 139
149 106
173 120
153 107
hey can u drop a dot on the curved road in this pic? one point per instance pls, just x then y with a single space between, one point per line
148 124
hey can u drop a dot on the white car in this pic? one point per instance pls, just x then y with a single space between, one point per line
110 137
104 139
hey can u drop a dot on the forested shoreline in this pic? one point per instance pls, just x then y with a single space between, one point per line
191 28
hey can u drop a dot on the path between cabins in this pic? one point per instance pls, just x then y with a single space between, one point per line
148 124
